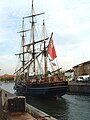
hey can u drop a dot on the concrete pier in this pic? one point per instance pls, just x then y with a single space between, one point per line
31 113
79 87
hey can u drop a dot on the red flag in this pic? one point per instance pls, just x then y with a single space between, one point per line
51 49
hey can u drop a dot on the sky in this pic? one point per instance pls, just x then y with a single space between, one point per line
69 20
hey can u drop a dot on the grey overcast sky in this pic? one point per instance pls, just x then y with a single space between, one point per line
69 20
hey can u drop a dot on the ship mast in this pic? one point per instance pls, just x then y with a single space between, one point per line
33 27
23 31
45 52
32 16
23 42
22 53
33 36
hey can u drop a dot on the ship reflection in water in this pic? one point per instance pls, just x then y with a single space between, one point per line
68 107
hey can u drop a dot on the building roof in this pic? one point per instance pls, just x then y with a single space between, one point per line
87 62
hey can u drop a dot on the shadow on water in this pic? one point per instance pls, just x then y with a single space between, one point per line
57 108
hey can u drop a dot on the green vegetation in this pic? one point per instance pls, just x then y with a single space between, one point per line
56 73
7 79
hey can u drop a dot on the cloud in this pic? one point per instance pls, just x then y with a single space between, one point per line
68 19
7 64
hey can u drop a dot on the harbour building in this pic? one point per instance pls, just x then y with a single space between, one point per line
82 69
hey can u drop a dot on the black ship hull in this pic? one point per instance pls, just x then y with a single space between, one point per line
48 90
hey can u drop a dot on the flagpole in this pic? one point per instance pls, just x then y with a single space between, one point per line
51 35
51 49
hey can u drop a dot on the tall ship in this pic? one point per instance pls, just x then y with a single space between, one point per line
38 73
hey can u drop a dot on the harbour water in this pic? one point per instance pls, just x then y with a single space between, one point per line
68 107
